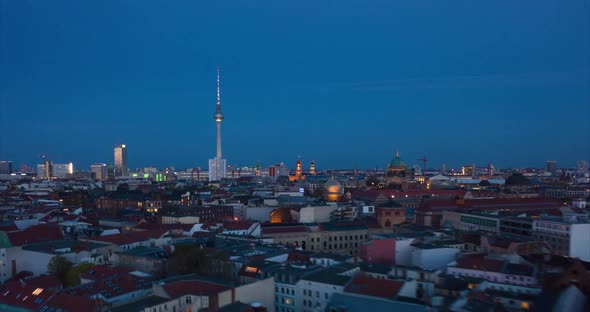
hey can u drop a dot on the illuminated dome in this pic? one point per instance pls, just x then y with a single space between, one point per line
333 190
397 162
397 168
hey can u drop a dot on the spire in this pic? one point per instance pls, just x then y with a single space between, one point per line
218 106
396 153
218 117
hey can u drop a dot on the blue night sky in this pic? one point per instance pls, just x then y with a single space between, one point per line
468 81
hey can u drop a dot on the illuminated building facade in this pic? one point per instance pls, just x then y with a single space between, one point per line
62 171
99 171
121 165
397 170
298 172
218 165
5 167
333 190
312 168
48 169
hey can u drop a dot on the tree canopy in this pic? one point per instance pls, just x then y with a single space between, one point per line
517 178
59 266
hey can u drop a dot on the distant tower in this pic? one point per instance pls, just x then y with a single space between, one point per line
48 169
217 165
551 166
258 169
355 171
121 167
582 166
443 169
491 169
312 168
298 169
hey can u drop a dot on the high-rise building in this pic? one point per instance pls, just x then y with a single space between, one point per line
5 167
312 168
581 166
551 166
48 169
218 165
62 171
99 171
121 168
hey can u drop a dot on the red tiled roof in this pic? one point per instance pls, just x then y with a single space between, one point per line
35 234
68 302
168 227
237 225
112 286
366 285
129 237
20 294
373 194
480 263
46 281
193 287
490 204
290 229
8 227
103 271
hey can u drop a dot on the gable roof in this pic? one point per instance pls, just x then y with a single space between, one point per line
193 287
35 234
366 285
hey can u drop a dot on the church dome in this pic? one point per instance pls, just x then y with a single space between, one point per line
333 186
333 191
397 162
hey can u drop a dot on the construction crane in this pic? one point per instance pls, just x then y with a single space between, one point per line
424 161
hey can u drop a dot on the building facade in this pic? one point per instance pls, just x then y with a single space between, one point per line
121 165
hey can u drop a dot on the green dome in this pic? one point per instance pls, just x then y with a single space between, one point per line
397 162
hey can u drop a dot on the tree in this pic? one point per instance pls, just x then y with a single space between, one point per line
517 178
485 183
59 266
72 277
188 259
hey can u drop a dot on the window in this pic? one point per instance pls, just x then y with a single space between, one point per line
189 299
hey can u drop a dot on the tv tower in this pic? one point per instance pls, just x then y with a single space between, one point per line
217 165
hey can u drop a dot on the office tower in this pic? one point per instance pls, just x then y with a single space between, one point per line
491 169
111 172
217 165
99 171
551 166
312 168
5 167
62 171
48 169
121 161
581 166
468 170
443 169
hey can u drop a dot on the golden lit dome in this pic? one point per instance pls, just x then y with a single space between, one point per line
333 190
